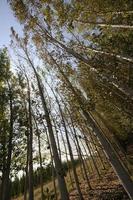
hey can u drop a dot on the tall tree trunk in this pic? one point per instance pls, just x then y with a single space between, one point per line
26 183
79 150
69 148
3 166
41 167
78 147
6 176
57 137
97 150
73 127
105 25
92 158
31 190
26 175
68 162
88 161
54 181
52 163
58 165
40 159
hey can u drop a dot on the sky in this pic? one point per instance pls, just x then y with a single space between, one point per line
6 21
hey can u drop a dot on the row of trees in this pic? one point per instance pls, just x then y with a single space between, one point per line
38 121
78 91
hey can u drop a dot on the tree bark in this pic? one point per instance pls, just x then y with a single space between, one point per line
31 190
40 159
70 150
6 179
58 165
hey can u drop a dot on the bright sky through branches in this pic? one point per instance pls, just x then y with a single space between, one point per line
6 21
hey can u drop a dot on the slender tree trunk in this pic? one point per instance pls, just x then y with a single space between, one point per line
75 135
121 26
89 166
26 181
79 149
41 167
70 150
58 165
54 181
92 158
29 183
97 150
3 166
26 168
31 190
6 179
111 12
52 165
40 158
82 160
95 142
68 164
73 165
57 137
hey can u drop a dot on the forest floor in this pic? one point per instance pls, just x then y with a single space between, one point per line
107 187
